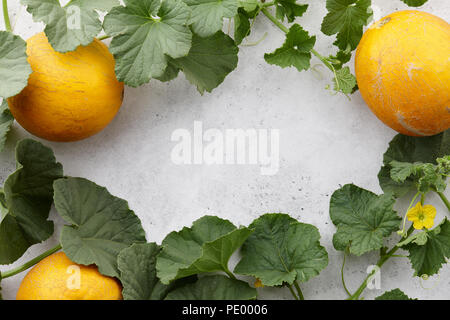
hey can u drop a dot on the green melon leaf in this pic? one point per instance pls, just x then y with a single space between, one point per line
415 3
14 67
248 5
137 265
420 238
209 61
344 81
241 25
400 171
428 259
289 9
145 34
411 150
395 294
432 178
68 27
26 200
426 176
282 250
214 288
6 121
340 58
363 219
205 247
169 74
296 50
138 273
346 18
207 15
101 225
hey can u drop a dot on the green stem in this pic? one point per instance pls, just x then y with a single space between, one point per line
406 215
445 200
379 264
6 16
253 23
251 44
275 21
267 4
104 37
324 61
261 5
292 292
229 273
29 264
299 291
342 273
422 199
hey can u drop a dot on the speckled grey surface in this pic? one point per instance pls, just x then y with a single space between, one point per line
325 140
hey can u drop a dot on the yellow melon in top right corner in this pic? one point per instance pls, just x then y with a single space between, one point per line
402 68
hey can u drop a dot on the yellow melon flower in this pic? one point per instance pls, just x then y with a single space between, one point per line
422 216
258 283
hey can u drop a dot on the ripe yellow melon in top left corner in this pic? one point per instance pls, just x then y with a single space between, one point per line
70 96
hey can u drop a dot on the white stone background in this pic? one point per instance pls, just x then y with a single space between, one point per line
326 140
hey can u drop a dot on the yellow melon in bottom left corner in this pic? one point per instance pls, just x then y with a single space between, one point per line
58 278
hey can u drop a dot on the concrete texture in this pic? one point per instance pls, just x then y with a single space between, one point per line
325 141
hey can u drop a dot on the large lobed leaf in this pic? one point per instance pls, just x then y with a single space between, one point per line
101 225
209 61
242 24
411 150
363 219
346 18
137 265
146 33
26 200
138 273
205 247
395 294
415 3
282 250
207 15
214 288
295 51
428 258
14 67
248 5
70 26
